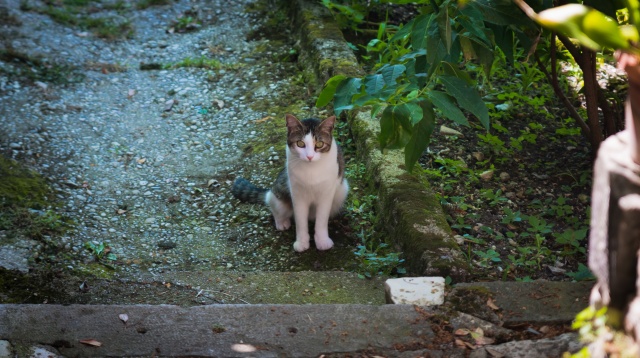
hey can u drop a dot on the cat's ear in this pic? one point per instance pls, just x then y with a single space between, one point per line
327 124
292 121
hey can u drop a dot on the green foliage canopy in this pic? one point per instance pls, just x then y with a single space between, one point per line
418 72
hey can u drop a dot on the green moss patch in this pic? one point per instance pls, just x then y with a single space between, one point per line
22 187
26 203
80 14
37 68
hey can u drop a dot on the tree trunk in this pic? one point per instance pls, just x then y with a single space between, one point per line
614 240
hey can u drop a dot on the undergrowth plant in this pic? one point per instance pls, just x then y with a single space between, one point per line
100 251
418 75
374 256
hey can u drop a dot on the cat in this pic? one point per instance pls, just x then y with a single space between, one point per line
312 185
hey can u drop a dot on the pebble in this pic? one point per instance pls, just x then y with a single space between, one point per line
123 152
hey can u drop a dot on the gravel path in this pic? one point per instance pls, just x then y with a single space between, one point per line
142 159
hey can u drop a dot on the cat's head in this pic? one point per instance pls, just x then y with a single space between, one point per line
310 138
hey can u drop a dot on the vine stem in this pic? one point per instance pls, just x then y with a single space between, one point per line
526 8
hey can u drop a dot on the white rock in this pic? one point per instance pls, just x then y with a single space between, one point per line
486 175
5 349
421 291
39 352
444 130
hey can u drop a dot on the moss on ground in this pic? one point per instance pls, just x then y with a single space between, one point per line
22 187
80 14
36 68
27 206
34 287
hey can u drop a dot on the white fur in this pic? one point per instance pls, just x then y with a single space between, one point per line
316 191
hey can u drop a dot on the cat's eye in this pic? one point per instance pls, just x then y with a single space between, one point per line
319 144
300 144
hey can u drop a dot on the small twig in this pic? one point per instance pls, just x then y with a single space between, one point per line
233 297
526 8
586 131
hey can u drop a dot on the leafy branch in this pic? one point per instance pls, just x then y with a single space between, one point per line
418 75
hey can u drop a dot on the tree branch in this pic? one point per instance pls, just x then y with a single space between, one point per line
586 132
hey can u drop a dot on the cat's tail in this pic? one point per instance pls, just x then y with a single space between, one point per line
244 191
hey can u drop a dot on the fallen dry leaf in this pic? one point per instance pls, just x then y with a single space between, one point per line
262 120
460 343
91 342
461 332
141 160
492 305
123 317
481 340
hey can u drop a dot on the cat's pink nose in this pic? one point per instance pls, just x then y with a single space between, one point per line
309 157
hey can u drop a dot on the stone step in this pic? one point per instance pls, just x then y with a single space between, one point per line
218 330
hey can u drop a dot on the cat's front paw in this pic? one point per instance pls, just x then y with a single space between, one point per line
300 245
323 243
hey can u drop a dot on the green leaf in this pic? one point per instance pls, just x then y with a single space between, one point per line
504 39
391 73
381 30
436 50
444 27
420 137
475 31
419 31
363 99
395 127
467 97
345 91
403 32
451 69
415 113
373 84
634 11
448 107
329 90
499 12
604 30
485 56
